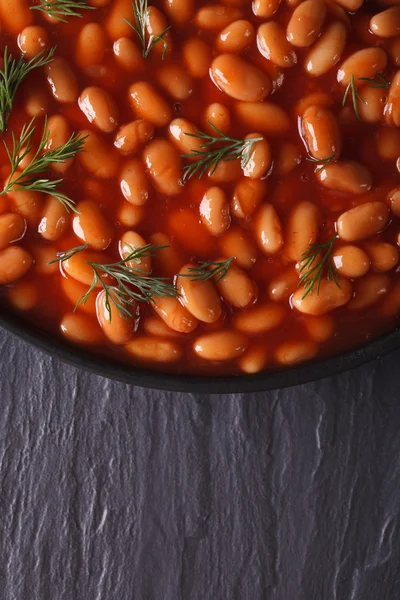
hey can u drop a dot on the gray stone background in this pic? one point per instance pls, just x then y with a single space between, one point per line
111 492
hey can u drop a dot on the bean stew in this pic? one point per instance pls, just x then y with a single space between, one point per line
202 188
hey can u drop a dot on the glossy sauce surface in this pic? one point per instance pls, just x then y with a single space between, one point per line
260 319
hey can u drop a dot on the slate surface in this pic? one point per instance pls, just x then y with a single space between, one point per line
110 492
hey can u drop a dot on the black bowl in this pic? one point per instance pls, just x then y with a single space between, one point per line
184 383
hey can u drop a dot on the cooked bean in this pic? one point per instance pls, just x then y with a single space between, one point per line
199 297
225 171
388 143
129 214
350 261
288 157
179 11
346 176
133 182
12 229
175 315
216 17
132 136
247 197
74 290
265 8
263 116
164 166
239 79
90 45
119 329
119 18
394 201
394 51
91 226
237 288
197 56
368 290
157 27
153 349
169 259
77 266
60 132
268 229
236 242
384 256
55 219
305 23
220 345
236 37
175 81
255 359
330 296
260 318
131 241
23 295
283 285
128 55
99 108
363 221
15 15
363 63
320 328
80 328
217 114
314 99
260 158
302 230
181 133
392 106
153 325
44 257
327 51
387 23
350 5
98 159
371 110
273 45
214 211
33 40
15 262
321 133
36 101
62 80
29 204
296 351
148 104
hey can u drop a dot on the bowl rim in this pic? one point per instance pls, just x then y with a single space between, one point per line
259 382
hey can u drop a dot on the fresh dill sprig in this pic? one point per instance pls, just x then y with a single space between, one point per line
12 75
61 9
28 178
355 96
209 270
141 12
377 82
322 162
122 282
67 254
206 159
312 270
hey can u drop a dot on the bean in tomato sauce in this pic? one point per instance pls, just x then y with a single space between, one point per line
231 199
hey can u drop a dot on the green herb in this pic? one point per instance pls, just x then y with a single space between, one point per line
312 270
206 159
355 96
67 254
27 179
378 81
141 11
61 9
127 283
209 270
12 75
323 162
